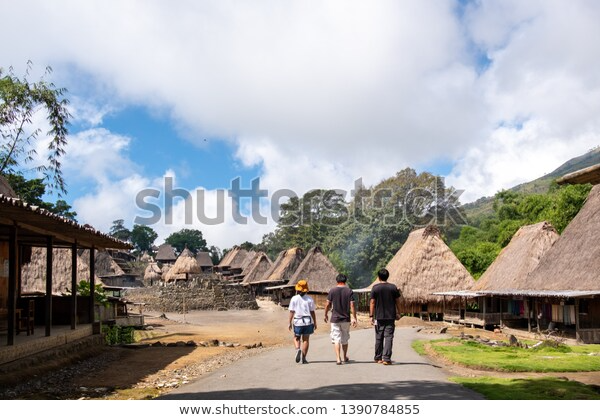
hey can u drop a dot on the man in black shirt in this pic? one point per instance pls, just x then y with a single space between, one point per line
341 300
384 310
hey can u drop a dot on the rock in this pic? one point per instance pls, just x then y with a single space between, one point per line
497 331
203 344
191 344
443 330
512 341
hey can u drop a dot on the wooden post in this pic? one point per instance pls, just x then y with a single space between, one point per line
577 319
443 307
528 302
13 267
49 255
74 286
92 284
484 310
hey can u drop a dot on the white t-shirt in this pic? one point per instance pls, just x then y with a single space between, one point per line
302 306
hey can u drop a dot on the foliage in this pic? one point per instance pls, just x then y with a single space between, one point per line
143 237
192 238
119 231
100 297
32 190
20 100
478 245
215 254
549 388
117 334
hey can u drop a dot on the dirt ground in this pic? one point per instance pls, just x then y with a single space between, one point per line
161 360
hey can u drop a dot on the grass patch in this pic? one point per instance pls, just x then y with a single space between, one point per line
529 389
584 358
419 347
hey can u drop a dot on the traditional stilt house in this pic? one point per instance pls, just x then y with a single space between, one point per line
254 273
22 228
320 274
231 264
166 254
283 269
185 266
423 266
566 283
205 262
497 292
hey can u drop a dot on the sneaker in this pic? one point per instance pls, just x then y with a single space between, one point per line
298 355
304 361
386 362
378 361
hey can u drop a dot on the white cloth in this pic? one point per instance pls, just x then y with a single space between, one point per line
302 307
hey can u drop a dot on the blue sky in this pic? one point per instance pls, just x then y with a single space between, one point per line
309 94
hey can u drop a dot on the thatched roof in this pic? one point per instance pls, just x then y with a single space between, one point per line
105 265
6 189
249 257
153 273
204 260
234 258
573 262
518 259
589 175
166 253
165 270
426 265
257 268
145 257
285 265
318 270
33 274
186 264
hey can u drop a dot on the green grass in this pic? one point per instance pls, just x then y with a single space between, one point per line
529 389
585 358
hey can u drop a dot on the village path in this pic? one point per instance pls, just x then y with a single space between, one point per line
273 375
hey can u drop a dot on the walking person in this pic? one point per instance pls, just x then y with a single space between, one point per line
302 320
384 310
343 314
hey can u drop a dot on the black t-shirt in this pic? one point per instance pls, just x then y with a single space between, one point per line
385 295
340 298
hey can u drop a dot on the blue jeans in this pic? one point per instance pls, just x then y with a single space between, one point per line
384 339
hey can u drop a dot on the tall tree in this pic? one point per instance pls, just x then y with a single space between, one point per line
143 237
20 99
192 238
119 231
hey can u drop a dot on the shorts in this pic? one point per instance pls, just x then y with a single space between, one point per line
340 332
304 330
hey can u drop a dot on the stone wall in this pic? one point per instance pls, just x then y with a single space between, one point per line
202 293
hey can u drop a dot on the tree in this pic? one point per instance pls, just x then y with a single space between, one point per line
143 237
192 238
20 99
119 231
32 190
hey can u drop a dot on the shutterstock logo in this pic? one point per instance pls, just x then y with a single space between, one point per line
418 206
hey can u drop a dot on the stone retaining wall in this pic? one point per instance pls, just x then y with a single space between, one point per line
201 293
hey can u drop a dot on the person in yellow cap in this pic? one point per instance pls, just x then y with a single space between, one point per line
302 320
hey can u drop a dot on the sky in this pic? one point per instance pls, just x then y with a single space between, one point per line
297 95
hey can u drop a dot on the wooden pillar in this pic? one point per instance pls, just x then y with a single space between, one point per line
484 311
443 307
528 303
74 286
92 283
13 267
501 302
48 306
577 319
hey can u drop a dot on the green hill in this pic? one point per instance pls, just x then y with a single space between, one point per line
540 185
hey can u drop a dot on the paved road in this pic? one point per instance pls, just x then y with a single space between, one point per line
273 375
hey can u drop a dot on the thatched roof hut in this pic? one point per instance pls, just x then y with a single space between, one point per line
33 274
573 263
318 270
518 259
249 258
285 265
166 254
185 265
145 257
165 270
152 274
233 259
425 265
105 264
204 260
257 268
590 175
